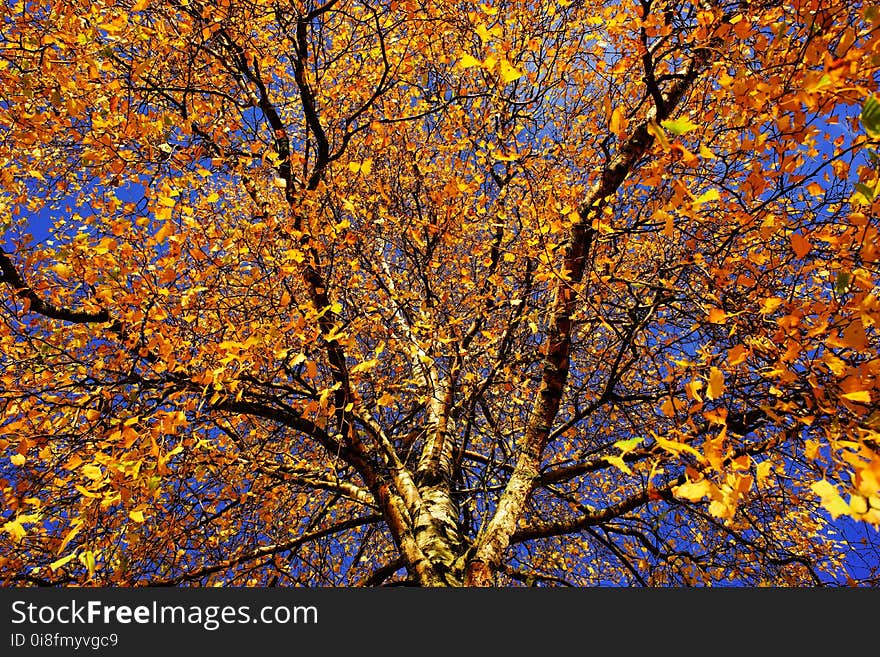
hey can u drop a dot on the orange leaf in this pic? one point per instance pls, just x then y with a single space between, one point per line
616 121
854 336
770 304
737 354
800 245
835 364
166 229
716 384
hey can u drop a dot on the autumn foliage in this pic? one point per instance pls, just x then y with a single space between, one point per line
364 292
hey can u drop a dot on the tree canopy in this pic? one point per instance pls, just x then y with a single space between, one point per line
374 292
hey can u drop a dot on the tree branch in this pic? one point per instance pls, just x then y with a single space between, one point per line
268 550
37 305
494 540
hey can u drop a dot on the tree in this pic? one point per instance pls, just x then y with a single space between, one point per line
371 292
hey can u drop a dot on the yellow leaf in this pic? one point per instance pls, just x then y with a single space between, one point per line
717 316
365 366
509 73
231 345
17 459
504 157
106 245
716 383
693 491
832 502
657 132
706 152
628 445
467 61
483 32
815 189
14 529
92 472
363 167
87 559
69 536
29 517
55 565
763 471
860 396
62 270
136 516
679 126
858 504
163 213
140 5
721 510
619 463
676 447
708 195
